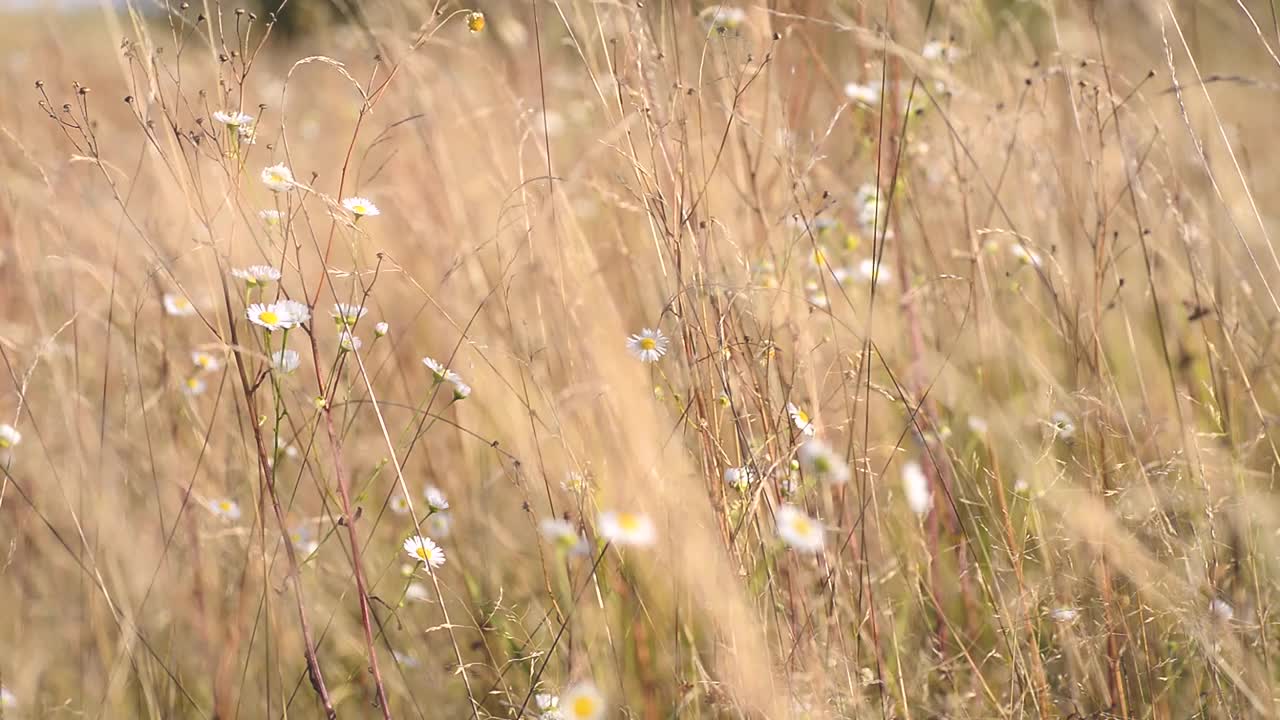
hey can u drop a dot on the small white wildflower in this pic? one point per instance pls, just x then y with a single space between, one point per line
345 315
798 530
271 217
277 178
399 503
257 275
1064 614
349 342
627 528
178 306
868 94
193 386
423 550
582 702
381 329
1062 425
8 700
461 390
297 312
977 425
270 316
820 461
225 509
247 134
1025 256
546 702
361 207
440 524
739 478
802 421
869 271
724 19
285 361
417 592
304 540
205 361
439 372
1221 609
9 437
648 346
915 487
563 534
436 500
232 118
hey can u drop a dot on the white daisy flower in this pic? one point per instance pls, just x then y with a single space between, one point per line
802 421
440 524
868 94
9 437
439 372
563 534
193 386
399 503
799 530
298 312
648 346
1221 609
933 50
582 702
461 390
915 487
304 540
271 316
349 342
869 271
724 18
232 118
8 700
739 478
423 550
271 217
626 528
347 315
285 361
869 203
205 361
1062 425
277 178
225 509
257 275
360 207
977 425
820 461
178 306
417 592
547 702
381 329
1064 614
1025 256
436 500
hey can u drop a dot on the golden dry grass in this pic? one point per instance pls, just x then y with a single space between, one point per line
1071 336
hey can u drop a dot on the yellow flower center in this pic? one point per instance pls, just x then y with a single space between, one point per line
629 522
648 343
421 552
269 317
224 506
4 443
193 383
802 417
475 22
802 526
359 209
276 177
584 706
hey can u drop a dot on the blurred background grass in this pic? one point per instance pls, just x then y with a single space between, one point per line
1072 333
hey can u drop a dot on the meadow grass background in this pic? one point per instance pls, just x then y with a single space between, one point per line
1027 293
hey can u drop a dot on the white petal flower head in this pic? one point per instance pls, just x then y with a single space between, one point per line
257 275
193 386
9 437
232 118
461 390
285 361
563 535
297 312
304 540
739 478
277 178
399 503
627 528
178 306
978 425
547 702
1221 609
868 94
348 342
1064 614
439 372
1062 425
800 531
582 702
361 207
205 361
820 461
271 217
870 271
436 500
1025 256
347 315
417 592
802 421
8 700
423 550
649 345
224 509
271 316
915 487
381 329
440 524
